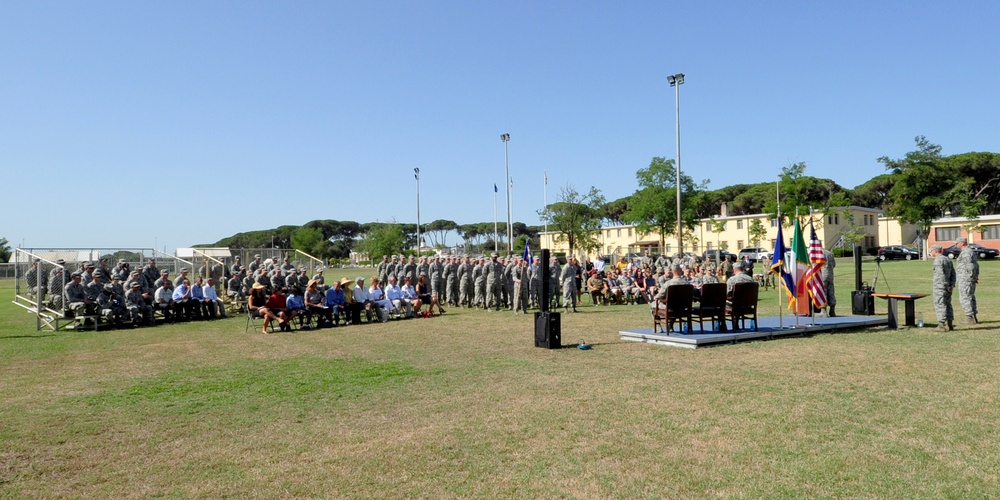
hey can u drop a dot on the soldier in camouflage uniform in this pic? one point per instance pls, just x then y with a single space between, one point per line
76 296
466 291
437 278
827 274
510 269
111 309
451 281
521 285
555 271
150 272
568 278
943 274
31 279
409 270
255 265
292 280
535 283
58 277
424 268
277 280
967 275
382 269
137 305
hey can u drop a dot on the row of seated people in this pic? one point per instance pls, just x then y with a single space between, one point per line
638 285
341 301
119 304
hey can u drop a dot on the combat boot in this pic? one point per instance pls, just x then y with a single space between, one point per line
970 320
832 313
942 327
951 326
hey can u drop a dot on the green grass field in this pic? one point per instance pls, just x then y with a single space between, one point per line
464 405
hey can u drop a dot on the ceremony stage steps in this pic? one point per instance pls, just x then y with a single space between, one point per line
768 329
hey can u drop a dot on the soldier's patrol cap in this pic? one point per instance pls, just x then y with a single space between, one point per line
60 261
494 254
256 256
76 274
121 261
90 265
135 284
134 273
38 260
184 269
109 287
237 257
163 272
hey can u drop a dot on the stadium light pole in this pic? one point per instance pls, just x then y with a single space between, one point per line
416 175
676 81
506 138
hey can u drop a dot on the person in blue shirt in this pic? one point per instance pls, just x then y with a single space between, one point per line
335 301
294 305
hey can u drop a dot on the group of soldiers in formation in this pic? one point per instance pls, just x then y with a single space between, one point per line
122 295
945 275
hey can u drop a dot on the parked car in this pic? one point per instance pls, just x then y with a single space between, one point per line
719 255
756 254
981 251
891 252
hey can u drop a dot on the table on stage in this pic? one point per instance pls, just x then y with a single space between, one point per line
908 300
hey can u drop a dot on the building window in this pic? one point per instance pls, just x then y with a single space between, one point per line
991 232
619 235
708 246
833 220
667 252
947 233
630 231
739 243
774 222
739 224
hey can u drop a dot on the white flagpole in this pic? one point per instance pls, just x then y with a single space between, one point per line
496 244
812 310
778 279
795 272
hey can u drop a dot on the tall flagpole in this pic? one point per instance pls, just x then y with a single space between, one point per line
778 278
506 138
795 272
812 310
496 247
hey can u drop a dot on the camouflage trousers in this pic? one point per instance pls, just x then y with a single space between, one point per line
967 297
942 305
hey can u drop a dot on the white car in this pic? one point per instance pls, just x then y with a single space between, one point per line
756 254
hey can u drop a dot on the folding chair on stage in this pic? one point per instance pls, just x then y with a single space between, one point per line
743 305
674 309
712 306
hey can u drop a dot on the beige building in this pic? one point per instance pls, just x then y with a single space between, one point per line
733 232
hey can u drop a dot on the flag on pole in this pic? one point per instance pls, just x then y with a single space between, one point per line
546 174
512 183
495 189
799 258
527 254
813 278
778 266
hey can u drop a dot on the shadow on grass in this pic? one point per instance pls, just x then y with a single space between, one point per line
5 337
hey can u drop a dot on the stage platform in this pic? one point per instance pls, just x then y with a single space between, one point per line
768 329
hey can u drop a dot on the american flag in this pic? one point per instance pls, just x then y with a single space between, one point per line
817 259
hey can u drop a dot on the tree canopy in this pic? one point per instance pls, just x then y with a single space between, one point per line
575 217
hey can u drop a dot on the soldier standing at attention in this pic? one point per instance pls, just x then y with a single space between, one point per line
479 283
494 282
941 288
568 279
967 274
827 274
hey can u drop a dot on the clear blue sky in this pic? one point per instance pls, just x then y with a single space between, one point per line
125 123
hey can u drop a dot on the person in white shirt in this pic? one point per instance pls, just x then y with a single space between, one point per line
215 305
394 293
413 302
361 296
164 300
383 304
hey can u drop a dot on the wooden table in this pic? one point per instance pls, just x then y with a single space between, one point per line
908 300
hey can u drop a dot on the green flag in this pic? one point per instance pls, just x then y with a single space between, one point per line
800 256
